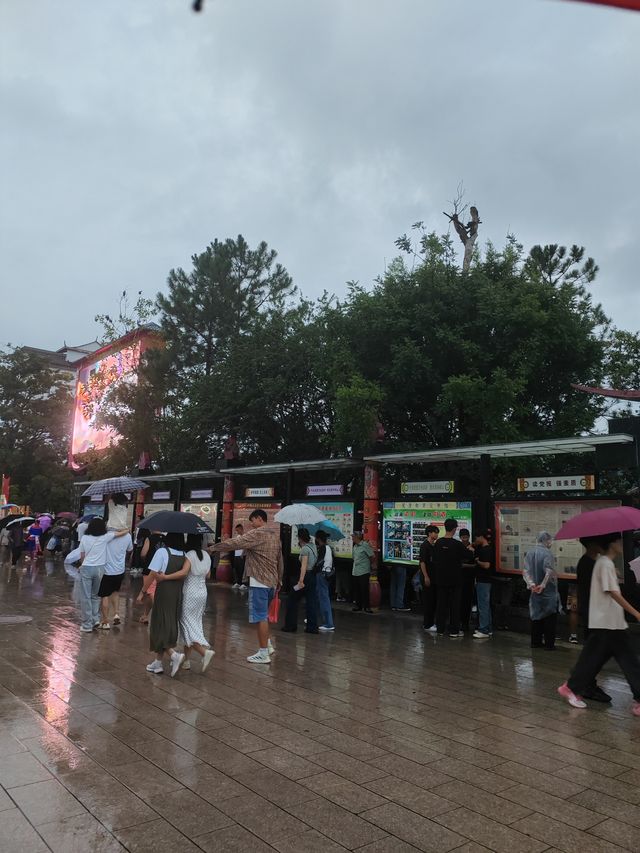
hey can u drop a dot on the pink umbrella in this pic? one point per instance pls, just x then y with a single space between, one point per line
598 522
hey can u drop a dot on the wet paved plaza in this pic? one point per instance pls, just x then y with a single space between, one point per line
377 738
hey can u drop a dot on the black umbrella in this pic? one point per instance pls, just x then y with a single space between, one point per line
62 531
176 522
20 519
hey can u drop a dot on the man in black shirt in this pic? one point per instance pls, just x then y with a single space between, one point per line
448 556
468 580
584 571
484 573
429 588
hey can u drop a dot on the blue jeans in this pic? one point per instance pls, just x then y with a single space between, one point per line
325 614
89 584
398 582
483 594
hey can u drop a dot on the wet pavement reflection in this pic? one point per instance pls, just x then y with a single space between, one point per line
376 738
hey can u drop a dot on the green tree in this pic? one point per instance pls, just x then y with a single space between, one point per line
129 317
482 357
35 420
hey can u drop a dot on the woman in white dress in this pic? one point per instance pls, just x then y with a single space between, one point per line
195 571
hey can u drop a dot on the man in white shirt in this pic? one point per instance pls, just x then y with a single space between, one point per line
109 592
608 632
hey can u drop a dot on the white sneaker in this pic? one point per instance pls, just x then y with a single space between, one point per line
86 630
105 626
116 619
236 586
457 634
177 659
271 647
186 665
259 657
325 629
208 657
244 587
155 667
480 635
433 629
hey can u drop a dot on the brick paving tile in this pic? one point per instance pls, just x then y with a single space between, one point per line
79 834
361 742
566 838
419 831
619 833
494 835
16 833
337 823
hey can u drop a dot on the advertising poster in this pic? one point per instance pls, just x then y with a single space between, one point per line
242 510
519 522
341 514
149 509
404 524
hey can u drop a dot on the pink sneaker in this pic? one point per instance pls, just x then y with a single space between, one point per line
570 696
635 709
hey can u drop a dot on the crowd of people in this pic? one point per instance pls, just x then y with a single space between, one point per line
456 577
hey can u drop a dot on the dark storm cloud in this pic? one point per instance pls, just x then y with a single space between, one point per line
135 132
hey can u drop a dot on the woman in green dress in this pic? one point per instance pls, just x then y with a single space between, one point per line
163 625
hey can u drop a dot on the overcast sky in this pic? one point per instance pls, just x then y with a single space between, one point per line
133 132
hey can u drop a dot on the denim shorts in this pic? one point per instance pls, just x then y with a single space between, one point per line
260 598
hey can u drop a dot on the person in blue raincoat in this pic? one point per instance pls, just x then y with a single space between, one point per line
544 603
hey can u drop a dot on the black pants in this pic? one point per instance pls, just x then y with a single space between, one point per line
467 594
238 569
448 608
310 597
543 632
599 648
15 554
361 591
429 603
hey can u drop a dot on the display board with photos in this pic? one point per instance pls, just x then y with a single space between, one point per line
518 524
404 525
341 514
243 509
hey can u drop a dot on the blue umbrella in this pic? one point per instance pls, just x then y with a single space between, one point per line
332 530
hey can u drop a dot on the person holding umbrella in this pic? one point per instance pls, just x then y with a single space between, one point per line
608 631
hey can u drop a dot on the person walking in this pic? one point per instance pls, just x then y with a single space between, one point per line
448 556
238 562
163 624
584 575
264 567
93 553
150 542
363 558
324 571
109 591
429 588
195 572
17 542
484 577
305 586
608 630
544 602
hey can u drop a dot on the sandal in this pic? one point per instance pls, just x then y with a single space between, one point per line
144 620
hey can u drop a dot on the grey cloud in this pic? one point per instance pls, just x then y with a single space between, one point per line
135 132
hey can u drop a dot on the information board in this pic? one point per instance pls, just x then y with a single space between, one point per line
519 522
242 510
404 525
341 514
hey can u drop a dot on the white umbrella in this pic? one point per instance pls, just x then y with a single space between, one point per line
300 514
